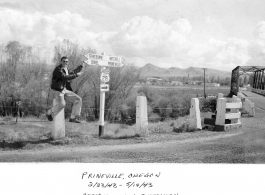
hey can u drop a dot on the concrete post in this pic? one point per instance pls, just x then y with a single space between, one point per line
141 115
220 95
240 95
235 99
249 107
58 126
221 110
195 115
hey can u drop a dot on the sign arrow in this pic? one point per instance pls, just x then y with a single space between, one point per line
103 63
104 57
104 87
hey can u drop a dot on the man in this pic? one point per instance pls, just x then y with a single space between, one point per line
62 90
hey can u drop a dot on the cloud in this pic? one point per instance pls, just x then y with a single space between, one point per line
39 28
257 46
10 5
259 32
143 36
140 40
223 55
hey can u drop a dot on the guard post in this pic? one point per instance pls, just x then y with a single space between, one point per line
58 125
195 115
141 115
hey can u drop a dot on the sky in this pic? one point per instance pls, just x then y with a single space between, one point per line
218 34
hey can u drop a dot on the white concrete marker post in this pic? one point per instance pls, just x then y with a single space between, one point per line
249 107
220 95
221 110
240 95
103 60
58 126
141 115
195 117
235 99
252 108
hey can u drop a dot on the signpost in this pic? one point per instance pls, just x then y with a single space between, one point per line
109 61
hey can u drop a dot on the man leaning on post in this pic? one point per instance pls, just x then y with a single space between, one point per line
62 90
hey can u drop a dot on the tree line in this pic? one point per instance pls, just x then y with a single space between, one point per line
25 77
187 80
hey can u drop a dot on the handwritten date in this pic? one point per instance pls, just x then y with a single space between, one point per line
139 185
102 185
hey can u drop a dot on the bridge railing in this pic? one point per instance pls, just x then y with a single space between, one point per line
227 115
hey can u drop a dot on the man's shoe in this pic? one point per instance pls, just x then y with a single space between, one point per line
74 120
49 117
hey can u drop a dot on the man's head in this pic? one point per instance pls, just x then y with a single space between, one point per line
64 61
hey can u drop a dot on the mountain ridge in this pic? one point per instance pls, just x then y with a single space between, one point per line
150 70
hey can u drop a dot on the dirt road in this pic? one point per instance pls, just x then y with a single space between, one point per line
246 145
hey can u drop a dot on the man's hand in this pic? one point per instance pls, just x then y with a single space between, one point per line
79 68
79 73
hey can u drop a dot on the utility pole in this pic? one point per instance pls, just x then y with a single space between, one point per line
204 82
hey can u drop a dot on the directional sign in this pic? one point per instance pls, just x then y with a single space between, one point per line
104 77
104 87
104 57
103 63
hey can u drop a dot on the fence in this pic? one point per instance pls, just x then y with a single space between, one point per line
222 119
128 115
259 91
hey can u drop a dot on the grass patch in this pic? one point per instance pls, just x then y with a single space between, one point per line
119 131
37 135
180 125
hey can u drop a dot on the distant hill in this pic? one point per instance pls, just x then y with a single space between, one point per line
150 70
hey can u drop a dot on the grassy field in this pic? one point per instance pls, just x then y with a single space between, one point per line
33 133
190 89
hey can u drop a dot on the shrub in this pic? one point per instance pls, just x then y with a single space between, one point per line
208 104
172 104
183 127
148 93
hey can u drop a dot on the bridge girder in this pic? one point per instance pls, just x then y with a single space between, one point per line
258 78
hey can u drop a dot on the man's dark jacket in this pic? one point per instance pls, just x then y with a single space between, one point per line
60 80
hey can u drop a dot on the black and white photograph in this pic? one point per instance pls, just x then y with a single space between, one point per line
125 83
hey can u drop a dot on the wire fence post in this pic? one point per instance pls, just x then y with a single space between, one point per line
141 115
18 105
58 126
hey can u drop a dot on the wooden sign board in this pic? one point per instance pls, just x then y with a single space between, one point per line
103 63
104 57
